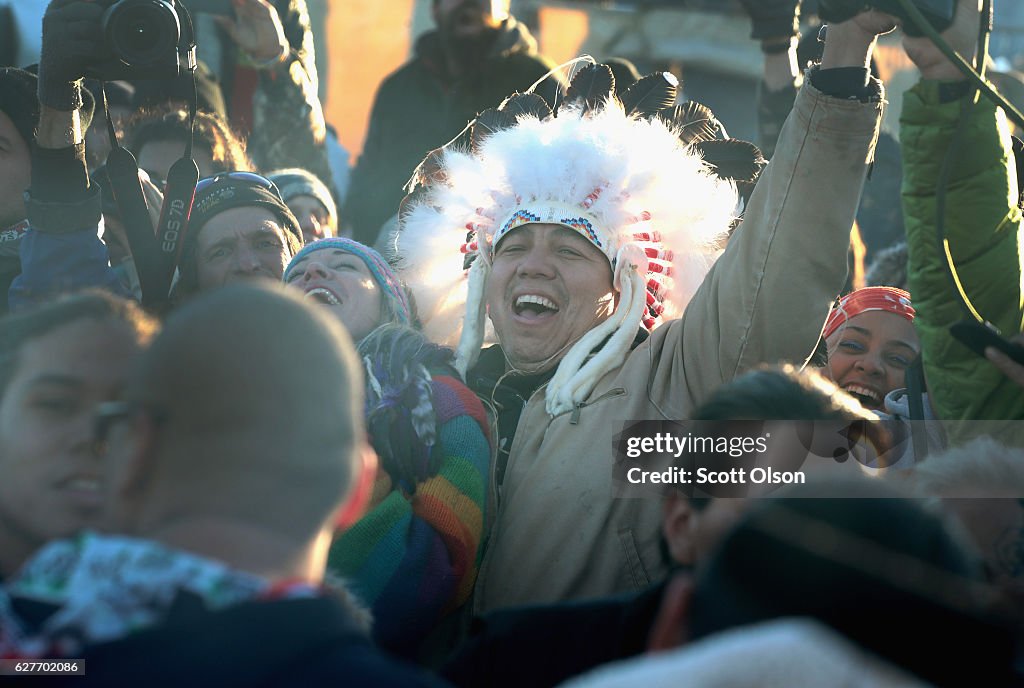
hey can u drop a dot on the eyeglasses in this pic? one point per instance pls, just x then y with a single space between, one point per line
250 178
110 413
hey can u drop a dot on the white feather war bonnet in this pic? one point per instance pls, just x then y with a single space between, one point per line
629 175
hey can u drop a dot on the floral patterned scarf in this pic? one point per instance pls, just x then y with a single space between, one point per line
104 587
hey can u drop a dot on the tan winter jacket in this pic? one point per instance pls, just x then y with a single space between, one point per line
557 532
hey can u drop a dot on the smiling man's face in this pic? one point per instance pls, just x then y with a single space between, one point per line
548 286
239 244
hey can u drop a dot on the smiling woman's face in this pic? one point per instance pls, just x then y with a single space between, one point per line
342 282
869 354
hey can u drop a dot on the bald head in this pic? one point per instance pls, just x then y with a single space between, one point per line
255 414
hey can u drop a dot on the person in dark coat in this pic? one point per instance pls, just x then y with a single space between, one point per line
475 58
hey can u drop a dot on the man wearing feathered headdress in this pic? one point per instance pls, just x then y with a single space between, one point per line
588 232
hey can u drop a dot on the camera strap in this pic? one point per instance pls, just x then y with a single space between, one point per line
123 171
178 196
182 178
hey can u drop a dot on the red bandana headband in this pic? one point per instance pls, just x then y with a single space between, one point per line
888 299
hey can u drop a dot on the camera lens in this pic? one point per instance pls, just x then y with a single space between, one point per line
141 32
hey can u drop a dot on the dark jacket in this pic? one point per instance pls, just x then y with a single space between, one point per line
288 642
419 108
546 645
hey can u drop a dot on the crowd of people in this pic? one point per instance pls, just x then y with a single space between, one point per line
269 428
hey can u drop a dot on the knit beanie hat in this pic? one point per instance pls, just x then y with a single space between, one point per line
298 182
383 275
223 192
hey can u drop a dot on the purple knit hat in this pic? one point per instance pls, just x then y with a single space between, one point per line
382 273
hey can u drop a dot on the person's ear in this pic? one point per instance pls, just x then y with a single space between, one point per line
360 497
677 527
670 629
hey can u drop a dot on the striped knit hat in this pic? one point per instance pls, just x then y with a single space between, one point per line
382 273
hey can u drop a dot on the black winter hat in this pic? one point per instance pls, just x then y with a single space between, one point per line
235 190
223 192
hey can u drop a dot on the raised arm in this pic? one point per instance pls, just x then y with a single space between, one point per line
776 24
982 225
288 128
766 298
62 251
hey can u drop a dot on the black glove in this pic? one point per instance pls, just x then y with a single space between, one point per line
72 36
773 18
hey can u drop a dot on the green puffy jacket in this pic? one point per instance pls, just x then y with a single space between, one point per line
983 228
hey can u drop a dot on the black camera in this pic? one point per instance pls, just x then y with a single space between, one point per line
939 13
146 39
